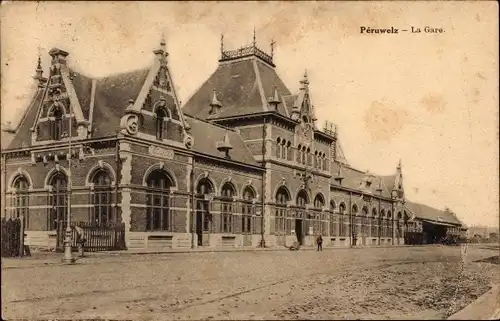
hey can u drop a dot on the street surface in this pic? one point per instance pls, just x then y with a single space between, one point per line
372 283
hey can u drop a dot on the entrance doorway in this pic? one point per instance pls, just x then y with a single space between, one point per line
298 231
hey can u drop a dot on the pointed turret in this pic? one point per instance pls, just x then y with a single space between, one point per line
224 146
339 176
215 104
275 100
398 189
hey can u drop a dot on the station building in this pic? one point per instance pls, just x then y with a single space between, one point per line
242 164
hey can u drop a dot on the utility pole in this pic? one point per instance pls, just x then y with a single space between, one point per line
68 257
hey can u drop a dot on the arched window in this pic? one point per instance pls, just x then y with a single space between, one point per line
161 117
299 154
289 151
247 210
344 224
158 201
303 155
21 199
364 220
333 206
59 201
283 149
101 215
282 198
399 215
302 198
354 209
324 162
309 157
56 124
227 194
278 148
319 201
203 215
375 229
316 159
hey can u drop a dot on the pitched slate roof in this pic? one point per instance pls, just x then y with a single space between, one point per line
430 213
112 94
22 137
206 135
242 86
354 178
83 89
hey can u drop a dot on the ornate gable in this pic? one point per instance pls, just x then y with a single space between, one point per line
156 113
58 105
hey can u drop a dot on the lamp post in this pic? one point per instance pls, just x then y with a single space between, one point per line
68 257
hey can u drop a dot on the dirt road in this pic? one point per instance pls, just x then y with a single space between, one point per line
387 283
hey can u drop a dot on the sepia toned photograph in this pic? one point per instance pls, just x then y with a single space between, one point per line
245 160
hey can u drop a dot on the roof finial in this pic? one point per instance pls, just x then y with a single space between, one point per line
272 48
254 41
221 43
162 41
399 164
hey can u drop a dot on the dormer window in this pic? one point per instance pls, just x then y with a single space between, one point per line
161 117
56 123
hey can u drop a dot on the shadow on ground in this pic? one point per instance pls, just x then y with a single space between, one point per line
491 259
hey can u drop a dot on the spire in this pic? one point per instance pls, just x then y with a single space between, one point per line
38 70
162 42
221 44
254 40
275 100
399 165
272 48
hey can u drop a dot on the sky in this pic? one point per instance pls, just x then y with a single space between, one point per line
428 99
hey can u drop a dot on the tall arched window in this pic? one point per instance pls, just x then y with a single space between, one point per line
364 220
203 215
21 199
334 219
56 123
282 198
161 117
227 194
283 149
101 215
333 206
247 210
344 224
383 224
389 225
309 157
299 154
302 199
59 201
289 151
158 201
374 222
319 201
278 148
303 155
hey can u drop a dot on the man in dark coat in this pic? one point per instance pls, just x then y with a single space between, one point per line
319 241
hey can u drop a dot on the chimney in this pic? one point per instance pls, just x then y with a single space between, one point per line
58 56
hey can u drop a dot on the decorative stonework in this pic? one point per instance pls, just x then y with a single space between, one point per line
161 152
129 124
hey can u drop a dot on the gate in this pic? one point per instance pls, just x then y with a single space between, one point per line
12 237
109 237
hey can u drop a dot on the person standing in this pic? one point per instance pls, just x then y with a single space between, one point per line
319 241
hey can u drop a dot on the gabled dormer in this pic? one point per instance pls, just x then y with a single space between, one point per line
155 114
